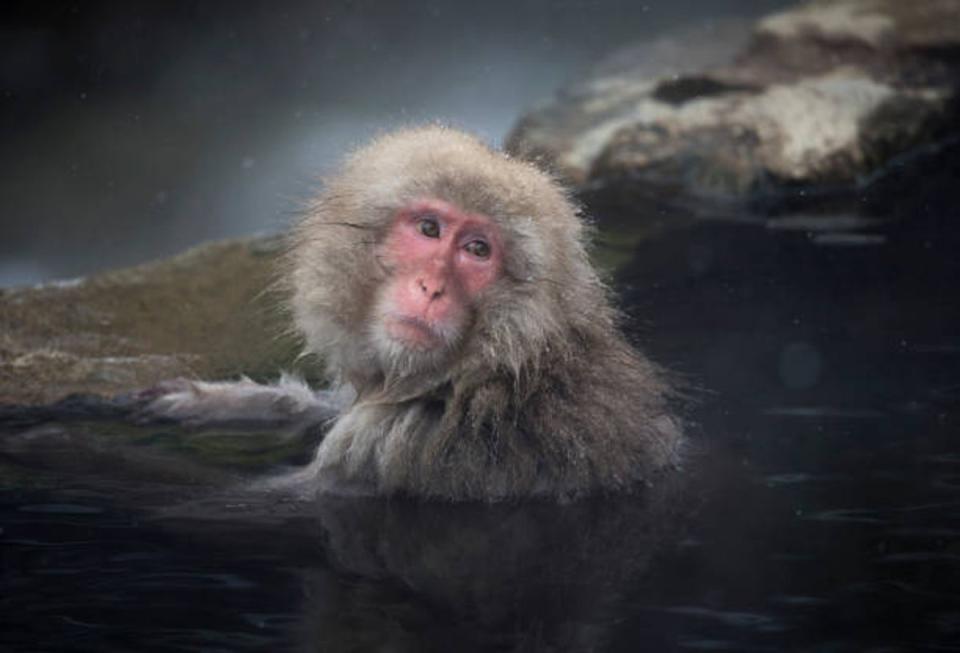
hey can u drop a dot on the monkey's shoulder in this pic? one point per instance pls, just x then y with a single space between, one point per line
617 401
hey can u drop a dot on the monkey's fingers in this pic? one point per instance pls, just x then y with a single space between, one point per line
178 400
199 402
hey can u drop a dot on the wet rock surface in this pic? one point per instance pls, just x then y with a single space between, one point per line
829 98
209 312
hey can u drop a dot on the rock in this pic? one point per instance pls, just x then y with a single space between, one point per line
207 312
820 98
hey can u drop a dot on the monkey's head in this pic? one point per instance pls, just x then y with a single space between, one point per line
432 257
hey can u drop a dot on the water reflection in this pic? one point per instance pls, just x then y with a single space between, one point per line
246 571
509 577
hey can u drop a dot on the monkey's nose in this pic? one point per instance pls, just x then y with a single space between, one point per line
430 287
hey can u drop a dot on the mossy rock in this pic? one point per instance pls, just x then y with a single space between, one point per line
210 312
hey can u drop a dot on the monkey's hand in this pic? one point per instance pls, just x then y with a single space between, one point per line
201 402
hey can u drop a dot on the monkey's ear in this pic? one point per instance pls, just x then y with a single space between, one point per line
525 253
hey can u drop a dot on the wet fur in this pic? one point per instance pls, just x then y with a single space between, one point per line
540 396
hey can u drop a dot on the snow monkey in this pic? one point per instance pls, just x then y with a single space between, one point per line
471 348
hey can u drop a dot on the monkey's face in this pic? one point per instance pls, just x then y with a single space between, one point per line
439 259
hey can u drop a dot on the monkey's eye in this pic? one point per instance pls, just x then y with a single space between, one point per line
479 248
429 226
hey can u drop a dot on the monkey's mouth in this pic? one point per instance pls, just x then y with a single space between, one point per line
414 332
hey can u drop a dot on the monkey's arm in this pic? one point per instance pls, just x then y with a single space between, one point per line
200 402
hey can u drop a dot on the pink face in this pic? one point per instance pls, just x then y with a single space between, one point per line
441 258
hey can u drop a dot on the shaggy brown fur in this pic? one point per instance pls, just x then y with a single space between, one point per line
542 397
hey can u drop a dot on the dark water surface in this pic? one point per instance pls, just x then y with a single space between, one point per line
821 512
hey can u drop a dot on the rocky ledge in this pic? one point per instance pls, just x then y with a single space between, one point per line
829 98
208 312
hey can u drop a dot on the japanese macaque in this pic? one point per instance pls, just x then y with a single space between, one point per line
472 350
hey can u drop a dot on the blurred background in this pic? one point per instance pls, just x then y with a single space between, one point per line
132 130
